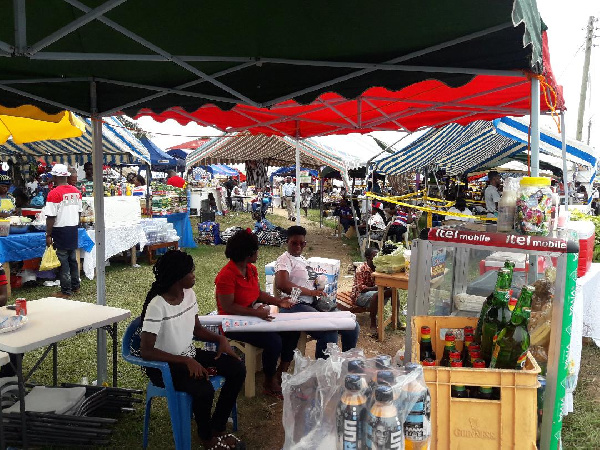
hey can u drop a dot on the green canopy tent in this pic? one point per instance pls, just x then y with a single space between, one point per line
98 57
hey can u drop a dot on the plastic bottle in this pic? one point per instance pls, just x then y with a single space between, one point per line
351 414
384 429
417 425
507 206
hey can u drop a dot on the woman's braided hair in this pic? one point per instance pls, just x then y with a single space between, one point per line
170 268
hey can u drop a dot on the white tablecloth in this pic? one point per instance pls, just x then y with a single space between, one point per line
586 323
118 239
301 321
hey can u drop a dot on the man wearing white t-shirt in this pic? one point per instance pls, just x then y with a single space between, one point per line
63 209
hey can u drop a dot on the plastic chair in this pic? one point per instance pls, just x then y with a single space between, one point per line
179 403
377 236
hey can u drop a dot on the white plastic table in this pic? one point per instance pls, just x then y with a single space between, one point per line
51 320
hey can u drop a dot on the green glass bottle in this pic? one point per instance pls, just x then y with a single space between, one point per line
512 342
449 346
497 317
503 284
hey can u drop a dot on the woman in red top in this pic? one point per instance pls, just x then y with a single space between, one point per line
237 291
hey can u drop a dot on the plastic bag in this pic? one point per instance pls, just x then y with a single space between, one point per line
312 407
49 260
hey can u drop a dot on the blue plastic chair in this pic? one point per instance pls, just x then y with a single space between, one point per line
179 403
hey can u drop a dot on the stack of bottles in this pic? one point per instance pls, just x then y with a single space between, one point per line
159 230
375 404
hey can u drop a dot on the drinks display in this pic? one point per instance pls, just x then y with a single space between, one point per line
449 346
426 349
351 414
512 342
384 429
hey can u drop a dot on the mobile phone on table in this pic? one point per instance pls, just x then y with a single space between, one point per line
11 307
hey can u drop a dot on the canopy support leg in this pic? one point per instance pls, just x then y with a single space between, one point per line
99 234
564 158
321 180
535 127
297 174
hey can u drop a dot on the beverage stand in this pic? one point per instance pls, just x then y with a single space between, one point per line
452 272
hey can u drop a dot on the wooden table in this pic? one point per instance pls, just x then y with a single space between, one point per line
388 280
150 248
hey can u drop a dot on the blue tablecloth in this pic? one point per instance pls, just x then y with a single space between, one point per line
19 247
183 226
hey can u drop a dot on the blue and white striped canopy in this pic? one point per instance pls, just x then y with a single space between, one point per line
479 145
119 146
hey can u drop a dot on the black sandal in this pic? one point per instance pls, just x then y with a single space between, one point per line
222 445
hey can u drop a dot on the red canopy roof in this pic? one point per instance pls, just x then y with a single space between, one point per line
190 145
427 103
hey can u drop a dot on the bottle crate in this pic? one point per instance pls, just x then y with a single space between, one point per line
457 423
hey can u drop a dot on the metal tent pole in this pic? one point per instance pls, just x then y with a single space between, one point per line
535 127
297 174
321 180
99 235
564 158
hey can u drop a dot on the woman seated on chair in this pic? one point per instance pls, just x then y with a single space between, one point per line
238 293
292 270
169 323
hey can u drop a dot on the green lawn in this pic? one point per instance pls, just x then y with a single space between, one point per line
126 287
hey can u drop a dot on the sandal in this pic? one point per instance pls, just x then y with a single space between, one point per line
273 393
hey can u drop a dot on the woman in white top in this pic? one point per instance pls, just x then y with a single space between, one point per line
460 207
169 324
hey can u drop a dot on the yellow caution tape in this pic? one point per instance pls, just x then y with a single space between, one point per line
429 211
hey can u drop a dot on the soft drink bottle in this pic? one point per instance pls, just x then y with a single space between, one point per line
384 429
351 414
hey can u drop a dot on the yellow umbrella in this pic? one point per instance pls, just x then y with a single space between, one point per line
29 123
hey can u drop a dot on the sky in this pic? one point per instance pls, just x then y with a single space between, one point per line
566 21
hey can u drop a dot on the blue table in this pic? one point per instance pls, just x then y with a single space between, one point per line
20 247
183 226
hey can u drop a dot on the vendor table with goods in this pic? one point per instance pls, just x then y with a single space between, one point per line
182 224
30 245
469 282
49 321
394 281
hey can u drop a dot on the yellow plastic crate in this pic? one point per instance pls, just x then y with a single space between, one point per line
472 423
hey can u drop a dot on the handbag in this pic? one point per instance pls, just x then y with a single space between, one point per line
49 260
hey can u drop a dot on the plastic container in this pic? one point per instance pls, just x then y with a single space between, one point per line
457 423
4 227
534 206
586 233
507 206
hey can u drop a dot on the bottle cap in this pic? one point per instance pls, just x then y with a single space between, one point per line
479 363
353 382
410 366
469 338
469 330
428 362
512 301
454 355
386 377
456 364
383 393
449 337
474 347
425 330
383 361
356 366
475 355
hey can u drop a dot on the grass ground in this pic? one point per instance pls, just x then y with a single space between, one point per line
259 417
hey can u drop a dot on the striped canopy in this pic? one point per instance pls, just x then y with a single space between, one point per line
119 146
276 150
480 145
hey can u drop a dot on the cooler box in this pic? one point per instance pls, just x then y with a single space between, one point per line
270 278
497 259
328 267
586 231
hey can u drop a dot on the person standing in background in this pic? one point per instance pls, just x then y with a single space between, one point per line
491 194
175 180
72 180
288 190
306 196
63 210
86 185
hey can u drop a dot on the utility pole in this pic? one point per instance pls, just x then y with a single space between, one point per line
585 76
589 131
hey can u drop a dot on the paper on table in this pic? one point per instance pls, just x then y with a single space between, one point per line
306 321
